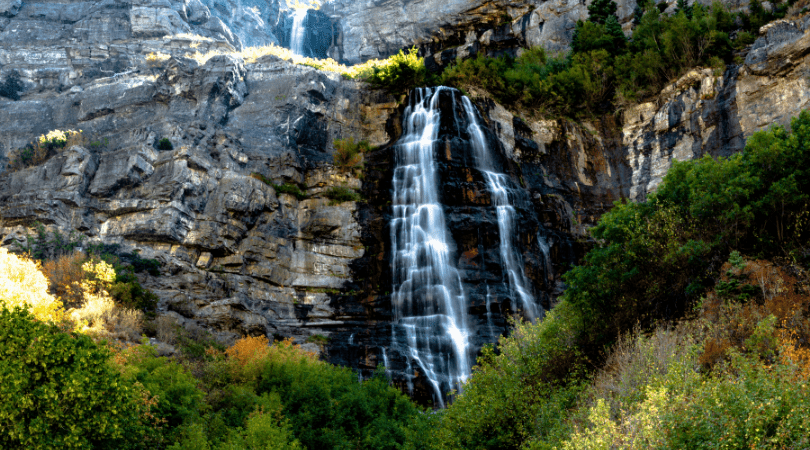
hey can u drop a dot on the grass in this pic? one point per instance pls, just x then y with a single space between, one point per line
318 339
340 194
367 70
286 188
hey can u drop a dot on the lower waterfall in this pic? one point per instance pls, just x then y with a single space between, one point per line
430 310
437 326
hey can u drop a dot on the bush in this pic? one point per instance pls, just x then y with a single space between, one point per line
348 154
23 285
57 390
521 392
165 144
11 86
178 397
50 245
66 275
398 74
367 415
286 188
338 195
603 69
44 147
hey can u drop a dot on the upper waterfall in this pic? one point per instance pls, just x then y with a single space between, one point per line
298 33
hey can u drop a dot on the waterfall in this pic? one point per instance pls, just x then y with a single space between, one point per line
506 214
430 310
298 32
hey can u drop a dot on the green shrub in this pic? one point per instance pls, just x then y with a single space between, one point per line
179 399
520 392
348 154
289 188
398 74
44 147
651 262
57 390
11 86
329 409
165 144
338 195
286 188
603 68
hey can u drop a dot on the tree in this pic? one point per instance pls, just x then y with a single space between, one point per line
682 5
57 389
599 10
12 86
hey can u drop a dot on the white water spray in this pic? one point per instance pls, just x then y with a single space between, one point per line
428 300
497 182
298 31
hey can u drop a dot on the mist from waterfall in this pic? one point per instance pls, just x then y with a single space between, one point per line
298 32
506 214
430 309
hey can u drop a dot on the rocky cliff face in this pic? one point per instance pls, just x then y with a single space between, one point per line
238 257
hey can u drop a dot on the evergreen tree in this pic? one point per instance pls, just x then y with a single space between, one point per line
12 86
682 5
599 10
614 29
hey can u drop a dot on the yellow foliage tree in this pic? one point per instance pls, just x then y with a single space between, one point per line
23 284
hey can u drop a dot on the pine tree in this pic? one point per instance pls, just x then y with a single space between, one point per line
614 29
599 10
682 5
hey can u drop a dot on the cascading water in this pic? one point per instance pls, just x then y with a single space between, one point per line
429 305
298 31
498 186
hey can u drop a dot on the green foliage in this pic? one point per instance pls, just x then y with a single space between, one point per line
318 339
290 188
748 405
57 390
399 74
11 87
348 154
653 257
367 415
286 188
685 7
46 245
589 36
600 10
603 69
341 194
179 398
125 289
651 261
521 392
165 144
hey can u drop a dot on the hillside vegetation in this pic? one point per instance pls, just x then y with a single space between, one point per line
605 69
687 326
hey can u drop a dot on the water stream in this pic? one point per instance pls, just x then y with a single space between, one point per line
506 214
298 32
429 305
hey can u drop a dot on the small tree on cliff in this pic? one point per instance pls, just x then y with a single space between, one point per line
599 10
